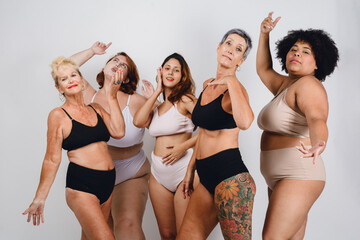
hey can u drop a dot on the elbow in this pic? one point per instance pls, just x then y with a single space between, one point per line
119 134
137 123
246 123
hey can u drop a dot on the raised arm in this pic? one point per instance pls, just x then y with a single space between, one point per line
97 48
143 116
49 169
311 99
114 120
240 107
264 65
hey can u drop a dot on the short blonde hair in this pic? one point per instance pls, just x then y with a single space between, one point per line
59 62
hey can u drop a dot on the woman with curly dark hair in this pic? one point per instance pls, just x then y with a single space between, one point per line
295 175
170 122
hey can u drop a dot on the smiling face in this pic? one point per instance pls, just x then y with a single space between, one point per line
171 73
300 59
114 64
69 81
231 51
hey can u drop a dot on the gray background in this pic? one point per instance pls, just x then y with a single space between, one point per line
33 33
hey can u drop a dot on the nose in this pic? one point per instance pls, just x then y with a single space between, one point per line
297 54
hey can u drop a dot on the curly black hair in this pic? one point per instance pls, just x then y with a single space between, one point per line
324 49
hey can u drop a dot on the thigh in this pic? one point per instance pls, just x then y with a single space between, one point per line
289 204
180 204
200 217
129 197
234 199
163 203
90 214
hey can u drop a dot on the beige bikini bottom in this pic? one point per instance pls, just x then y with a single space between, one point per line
286 163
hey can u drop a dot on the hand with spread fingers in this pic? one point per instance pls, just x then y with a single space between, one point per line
35 212
314 152
99 48
268 24
147 89
175 154
159 87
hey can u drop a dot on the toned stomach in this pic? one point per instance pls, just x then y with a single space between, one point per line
118 153
163 143
95 156
272 141
212 142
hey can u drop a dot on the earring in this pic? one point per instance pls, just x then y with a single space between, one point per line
62 97
238 69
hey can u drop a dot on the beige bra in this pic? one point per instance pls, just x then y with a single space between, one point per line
277 117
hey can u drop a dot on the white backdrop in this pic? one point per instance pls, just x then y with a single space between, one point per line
33 33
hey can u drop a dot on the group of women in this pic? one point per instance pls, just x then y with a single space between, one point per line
194 182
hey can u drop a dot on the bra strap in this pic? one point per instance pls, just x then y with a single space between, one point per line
67 113
208 85
128 101
92 99
225 91
93 108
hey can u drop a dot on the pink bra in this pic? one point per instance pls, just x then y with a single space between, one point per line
278 117
169 123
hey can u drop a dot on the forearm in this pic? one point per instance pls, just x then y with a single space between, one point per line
190 142
263 55
241 110
142 115
318 131
47 177
82 57
117 124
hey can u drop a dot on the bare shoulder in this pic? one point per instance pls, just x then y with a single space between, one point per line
309 84
137 101
207 81
187 98
56 119
98 108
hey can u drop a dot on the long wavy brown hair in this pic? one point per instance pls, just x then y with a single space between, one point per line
133 75
186 86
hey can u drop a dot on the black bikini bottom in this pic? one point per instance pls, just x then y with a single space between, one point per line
218 167
97 182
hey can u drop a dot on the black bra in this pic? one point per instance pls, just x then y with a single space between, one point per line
212 116
82 135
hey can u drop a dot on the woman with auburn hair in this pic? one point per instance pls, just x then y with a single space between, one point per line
131 165
170 122
83 130
295 175
226 190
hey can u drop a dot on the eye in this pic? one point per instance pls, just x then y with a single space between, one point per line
307 52
73 75
167 68
116 60
228 43
239 49
62 79
177 70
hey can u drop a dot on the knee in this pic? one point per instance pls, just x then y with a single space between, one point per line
271 235
126 224
167 235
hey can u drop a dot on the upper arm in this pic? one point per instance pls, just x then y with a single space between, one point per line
311 99
271 79
88 92
55 136
189 102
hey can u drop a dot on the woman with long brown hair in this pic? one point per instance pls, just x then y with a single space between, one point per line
170 122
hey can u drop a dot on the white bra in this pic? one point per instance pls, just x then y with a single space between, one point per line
169 123
133 135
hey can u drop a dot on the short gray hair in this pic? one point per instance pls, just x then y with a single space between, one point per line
242 34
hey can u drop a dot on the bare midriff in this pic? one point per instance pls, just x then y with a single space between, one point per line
163 143
94 156
272 141
212 142
118 153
